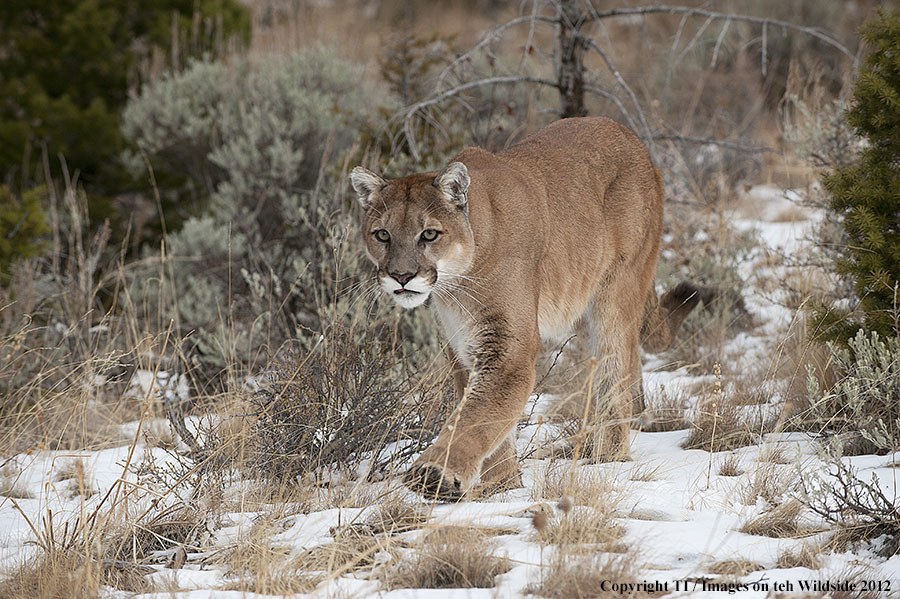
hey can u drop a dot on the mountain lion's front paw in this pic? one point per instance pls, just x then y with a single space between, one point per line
434 482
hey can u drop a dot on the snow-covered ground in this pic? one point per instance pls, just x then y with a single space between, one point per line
680 516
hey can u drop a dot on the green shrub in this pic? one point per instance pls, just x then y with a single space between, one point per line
22 224
67 66
863 408
866 195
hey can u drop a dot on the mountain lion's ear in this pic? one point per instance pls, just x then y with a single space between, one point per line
453 181
365 182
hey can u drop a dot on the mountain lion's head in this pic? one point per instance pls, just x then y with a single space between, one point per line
416 231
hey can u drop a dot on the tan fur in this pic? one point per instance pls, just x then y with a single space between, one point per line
560 227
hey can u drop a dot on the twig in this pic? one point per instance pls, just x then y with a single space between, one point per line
715 56
621 81
489 37
412 110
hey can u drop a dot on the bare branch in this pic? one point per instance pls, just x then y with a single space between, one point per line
530 38
412 110
615 100
621 81
700 12
694 39
719 39
489 37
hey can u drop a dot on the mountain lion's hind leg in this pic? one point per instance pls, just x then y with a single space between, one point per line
615 327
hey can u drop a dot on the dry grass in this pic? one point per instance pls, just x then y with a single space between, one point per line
802 356
734 568
780 523
584 529
776 454
589 577
644 472
666 411
448 557
68 574
179 525
771 482
720 425
76 559
82 483
256 566
395 514
353 548
730 466
805 556
584 486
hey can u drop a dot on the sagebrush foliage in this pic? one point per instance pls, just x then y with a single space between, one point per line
863 408
866 195
247 272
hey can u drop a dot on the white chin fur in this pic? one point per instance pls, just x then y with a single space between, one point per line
407 300
410 300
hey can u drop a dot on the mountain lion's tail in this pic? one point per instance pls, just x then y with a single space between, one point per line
663 315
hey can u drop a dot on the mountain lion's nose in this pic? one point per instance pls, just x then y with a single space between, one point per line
403 278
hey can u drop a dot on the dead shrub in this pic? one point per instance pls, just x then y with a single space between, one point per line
449 557
864 516
345 399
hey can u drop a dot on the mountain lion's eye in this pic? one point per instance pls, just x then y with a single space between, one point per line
382 235
430 234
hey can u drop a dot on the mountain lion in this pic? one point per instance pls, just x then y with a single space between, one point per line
519 246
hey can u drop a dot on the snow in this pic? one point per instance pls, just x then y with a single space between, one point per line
678 524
